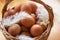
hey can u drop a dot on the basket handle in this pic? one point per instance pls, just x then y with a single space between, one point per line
5 6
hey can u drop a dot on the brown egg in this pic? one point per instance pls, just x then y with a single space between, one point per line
26 8
9 13
33 6
24 29
28 21
29 7
12 12
6 14
18 8
14 29
26 33
36 30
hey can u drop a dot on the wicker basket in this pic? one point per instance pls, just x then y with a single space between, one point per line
44 35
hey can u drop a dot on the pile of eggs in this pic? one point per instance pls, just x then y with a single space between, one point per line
27 26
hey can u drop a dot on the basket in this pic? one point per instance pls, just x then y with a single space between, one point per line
44 35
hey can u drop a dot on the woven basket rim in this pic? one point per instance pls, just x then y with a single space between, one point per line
44 35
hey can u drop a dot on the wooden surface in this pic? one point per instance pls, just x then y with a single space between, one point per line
1 6
55 4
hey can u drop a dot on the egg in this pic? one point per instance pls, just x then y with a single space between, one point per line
6 15
28 21
9 13
14 29
29 7
36 30
26 33
26 8
18 8
12 12
33 6
24 29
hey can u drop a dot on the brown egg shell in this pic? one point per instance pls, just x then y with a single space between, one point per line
26 8
18 8
36 30
28 21
9 13
6 14
14 29
33 6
